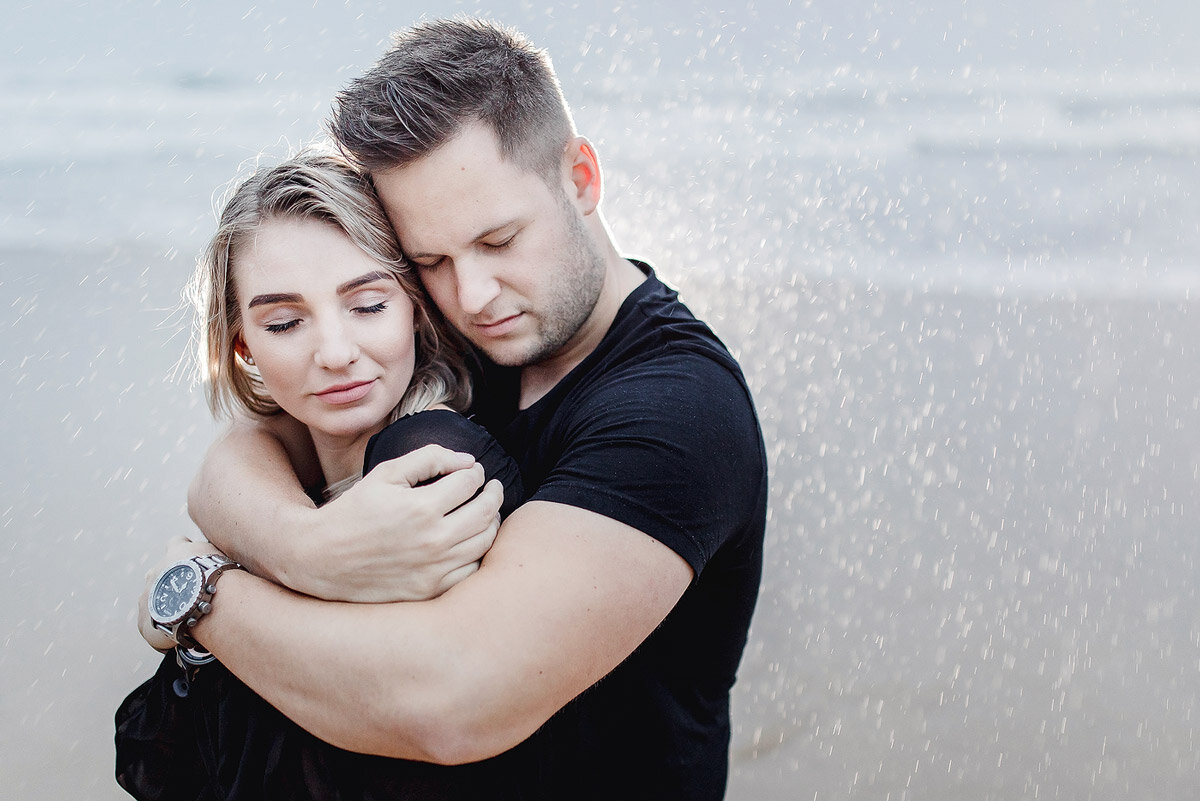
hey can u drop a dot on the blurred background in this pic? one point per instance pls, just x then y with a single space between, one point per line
953 243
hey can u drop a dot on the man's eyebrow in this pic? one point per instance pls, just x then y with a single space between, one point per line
414 254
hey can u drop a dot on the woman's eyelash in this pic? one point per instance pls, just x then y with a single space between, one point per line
279 328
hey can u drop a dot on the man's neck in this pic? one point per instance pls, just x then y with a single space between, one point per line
621 278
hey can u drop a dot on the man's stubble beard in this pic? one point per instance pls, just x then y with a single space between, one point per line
578 280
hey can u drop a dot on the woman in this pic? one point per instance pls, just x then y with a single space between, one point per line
313 224
305 306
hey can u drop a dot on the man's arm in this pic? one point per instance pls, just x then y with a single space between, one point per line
561 599
385 539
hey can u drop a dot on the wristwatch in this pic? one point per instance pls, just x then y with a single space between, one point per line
183 594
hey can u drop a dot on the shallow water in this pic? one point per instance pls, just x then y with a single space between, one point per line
955 253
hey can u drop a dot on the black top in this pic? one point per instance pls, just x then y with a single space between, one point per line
656 429
451 430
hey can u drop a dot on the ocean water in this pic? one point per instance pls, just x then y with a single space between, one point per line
953 244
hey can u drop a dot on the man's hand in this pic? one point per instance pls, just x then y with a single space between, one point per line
178 549
386 539
389 539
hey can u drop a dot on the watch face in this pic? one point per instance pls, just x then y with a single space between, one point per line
175 593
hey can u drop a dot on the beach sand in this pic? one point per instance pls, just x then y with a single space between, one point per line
981 564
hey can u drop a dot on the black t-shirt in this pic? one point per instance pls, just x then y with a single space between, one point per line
656 429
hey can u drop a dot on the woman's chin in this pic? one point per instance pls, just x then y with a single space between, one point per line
346 431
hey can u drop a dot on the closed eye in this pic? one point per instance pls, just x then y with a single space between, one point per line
500 245
427 264
375 309
279 328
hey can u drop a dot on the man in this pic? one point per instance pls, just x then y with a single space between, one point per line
600 637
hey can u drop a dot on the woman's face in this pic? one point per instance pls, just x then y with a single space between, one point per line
330 330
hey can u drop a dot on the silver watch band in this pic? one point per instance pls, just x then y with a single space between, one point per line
213 563
211 567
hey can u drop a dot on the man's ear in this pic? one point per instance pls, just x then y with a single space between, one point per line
583 167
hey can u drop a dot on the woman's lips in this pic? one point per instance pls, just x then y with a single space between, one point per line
346 393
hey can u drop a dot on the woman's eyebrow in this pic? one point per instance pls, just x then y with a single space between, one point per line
294 297
278 297
369 278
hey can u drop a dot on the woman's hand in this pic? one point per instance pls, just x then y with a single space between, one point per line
178 548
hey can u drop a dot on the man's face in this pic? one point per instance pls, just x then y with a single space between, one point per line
504 255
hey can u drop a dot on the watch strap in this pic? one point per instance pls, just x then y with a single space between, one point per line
211 567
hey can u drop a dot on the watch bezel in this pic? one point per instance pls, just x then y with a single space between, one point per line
196 594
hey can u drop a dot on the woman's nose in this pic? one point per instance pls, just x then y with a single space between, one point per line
336 348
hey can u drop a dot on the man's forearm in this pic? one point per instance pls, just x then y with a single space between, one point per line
471 673
325 679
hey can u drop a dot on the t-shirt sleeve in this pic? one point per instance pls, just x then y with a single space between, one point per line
456 432
672 450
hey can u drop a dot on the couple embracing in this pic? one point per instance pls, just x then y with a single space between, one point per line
489 520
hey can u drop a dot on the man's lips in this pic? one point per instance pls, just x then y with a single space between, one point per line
498 327
345 393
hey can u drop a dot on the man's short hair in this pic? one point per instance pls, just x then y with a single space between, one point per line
441 76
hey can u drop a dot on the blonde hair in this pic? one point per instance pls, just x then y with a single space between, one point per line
315 184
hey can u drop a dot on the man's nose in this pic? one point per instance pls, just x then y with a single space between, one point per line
477 286
336 348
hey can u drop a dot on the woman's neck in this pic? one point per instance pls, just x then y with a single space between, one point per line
340 458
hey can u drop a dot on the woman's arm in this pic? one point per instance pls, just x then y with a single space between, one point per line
386 539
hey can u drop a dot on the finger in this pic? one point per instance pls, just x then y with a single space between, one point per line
420 465
477 514
475 546
457 575
156 638
453 490
493 496
180 547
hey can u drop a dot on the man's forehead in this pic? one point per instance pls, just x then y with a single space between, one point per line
474 153
452 198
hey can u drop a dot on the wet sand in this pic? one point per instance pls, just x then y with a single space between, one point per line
982 554
981 560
